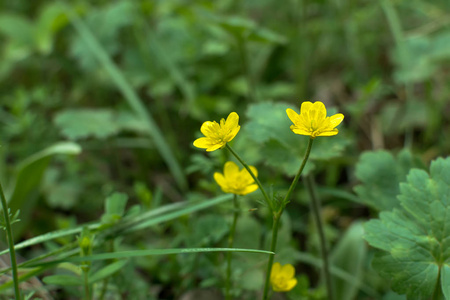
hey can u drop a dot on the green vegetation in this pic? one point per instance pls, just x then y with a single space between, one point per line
101 102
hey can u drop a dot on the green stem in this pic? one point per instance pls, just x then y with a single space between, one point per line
12 251
242 45
300 170
269 203
273 247
87 292
315 203
277 216
105 282
230 245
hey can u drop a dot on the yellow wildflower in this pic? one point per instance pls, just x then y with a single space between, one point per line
218 135
282 277
313 120
236 181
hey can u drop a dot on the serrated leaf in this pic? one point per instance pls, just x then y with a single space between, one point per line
414 238
83 123
269 126
381 173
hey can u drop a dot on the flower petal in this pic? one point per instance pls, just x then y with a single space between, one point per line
329 133
218 177
288 271
290 284
336 119
214 147
276 268
230 170
297 130
209 127
203 142
292 115
249 189
232 134
232 120
306 106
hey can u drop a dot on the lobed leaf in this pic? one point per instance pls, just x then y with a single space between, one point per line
414 238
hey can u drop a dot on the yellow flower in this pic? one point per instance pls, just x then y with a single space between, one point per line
313 120
236 181
218 135
282 277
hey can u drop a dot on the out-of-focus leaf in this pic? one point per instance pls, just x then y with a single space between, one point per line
82 123
28 178
351 245
64 280
414 238
381 174
107 271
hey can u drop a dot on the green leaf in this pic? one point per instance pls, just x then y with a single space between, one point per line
64 280
380 174
114 207
414 238
107 271
269 127
77 124
351 245
140 253
28 178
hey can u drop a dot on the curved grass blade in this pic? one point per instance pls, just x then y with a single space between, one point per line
130 95
140 253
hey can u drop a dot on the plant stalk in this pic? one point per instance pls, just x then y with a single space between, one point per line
277 217
315 203
230 245
269 203
12 251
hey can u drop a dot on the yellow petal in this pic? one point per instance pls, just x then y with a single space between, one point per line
290 284
249 189
306 106
276 268
292 115
329 133
288 271
209 127
232 120
232 134
297 130
214 147
230 170
203 142
336 119
218 177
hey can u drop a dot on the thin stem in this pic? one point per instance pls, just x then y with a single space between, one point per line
12 251
230 245
242 45
105 282
87 292
300 170
273 247
315 203
269 203
277 216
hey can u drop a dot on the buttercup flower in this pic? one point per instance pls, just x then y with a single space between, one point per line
236 181
282 277
313 120
218 135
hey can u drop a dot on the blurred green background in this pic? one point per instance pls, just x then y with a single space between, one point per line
100 97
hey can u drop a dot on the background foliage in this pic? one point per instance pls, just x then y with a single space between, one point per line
101 101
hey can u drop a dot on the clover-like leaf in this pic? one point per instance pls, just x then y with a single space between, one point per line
415 237
381 173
